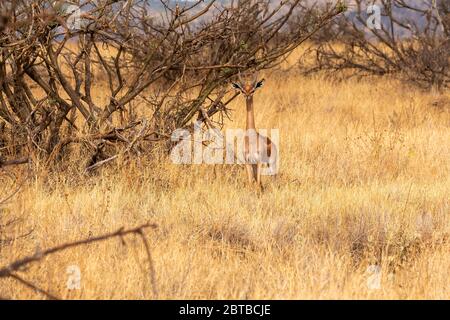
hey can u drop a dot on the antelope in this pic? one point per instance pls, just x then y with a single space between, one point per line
258 149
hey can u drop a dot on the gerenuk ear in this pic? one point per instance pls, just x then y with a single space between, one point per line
236 86
259 84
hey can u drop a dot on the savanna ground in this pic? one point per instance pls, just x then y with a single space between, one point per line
364 185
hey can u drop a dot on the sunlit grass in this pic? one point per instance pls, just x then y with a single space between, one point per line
364 180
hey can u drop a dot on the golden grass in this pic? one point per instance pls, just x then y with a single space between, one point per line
364 180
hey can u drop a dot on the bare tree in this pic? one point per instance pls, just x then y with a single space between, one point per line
412 42
164 66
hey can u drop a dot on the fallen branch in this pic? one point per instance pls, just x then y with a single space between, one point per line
34 287
100 163
18 265
131 145
13 162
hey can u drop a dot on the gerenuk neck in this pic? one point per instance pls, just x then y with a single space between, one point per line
250 114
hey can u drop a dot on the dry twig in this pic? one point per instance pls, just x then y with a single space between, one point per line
20 264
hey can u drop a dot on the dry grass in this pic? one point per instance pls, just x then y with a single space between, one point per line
364 180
